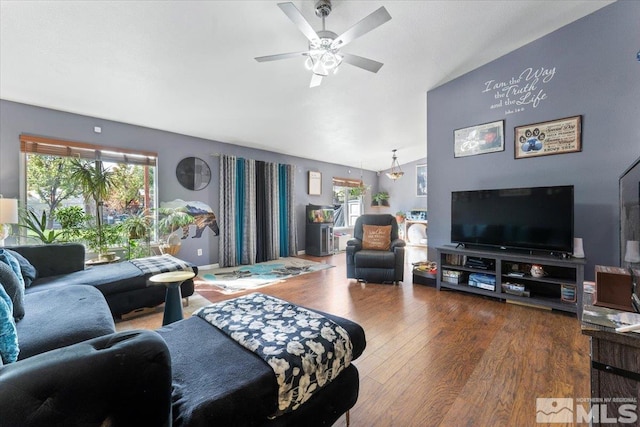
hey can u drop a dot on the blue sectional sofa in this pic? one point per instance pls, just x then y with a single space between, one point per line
123 285
74 369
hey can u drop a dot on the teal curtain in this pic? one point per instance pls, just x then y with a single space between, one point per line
257 217
284 210
240 200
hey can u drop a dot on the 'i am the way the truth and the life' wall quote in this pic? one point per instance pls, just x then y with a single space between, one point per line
519 92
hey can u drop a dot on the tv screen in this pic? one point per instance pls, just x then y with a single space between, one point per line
535 219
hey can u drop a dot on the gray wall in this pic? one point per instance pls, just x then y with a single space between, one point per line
16 118
402 193
596 76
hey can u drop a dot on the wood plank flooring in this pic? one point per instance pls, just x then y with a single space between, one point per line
439 358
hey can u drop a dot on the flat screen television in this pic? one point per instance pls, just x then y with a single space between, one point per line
535 218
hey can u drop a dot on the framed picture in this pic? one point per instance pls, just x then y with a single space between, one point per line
479 139
543 139
315 183
421 180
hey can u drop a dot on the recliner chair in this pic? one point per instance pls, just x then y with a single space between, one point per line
370 265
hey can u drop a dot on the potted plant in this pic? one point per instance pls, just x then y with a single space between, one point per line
71 219
37 226
358 191
95 180
400 217
137 226
380 199
100 241
137 231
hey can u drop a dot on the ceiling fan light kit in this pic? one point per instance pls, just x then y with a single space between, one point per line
323 55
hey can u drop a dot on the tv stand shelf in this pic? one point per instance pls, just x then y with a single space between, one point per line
560 289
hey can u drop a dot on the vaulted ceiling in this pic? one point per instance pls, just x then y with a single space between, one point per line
188 67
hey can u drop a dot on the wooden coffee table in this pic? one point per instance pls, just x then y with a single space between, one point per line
173 299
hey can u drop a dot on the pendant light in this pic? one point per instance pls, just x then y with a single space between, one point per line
395 172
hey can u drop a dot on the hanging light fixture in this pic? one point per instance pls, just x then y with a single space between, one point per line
395 172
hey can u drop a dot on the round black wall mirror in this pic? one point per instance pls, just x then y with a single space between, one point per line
193 173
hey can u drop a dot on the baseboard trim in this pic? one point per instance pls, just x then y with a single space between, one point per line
209 266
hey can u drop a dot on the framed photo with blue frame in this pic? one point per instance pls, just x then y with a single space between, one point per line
421 180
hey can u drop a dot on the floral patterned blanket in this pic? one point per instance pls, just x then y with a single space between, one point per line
305 349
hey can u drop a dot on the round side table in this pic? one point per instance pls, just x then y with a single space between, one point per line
173 299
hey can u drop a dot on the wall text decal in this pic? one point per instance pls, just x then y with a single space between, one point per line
521 91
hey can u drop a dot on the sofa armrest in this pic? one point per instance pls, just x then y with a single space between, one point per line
119 379
54 259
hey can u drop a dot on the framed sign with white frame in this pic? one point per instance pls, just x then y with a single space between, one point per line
315 183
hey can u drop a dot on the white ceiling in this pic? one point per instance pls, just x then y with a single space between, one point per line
188 67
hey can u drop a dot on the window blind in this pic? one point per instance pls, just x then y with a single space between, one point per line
57 147
347 182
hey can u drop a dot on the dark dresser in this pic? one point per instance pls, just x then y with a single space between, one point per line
615 365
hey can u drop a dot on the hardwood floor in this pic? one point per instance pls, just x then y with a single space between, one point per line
440 358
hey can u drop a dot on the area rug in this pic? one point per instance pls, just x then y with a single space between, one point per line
232 280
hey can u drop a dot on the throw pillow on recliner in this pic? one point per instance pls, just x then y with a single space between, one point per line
13 286
376 237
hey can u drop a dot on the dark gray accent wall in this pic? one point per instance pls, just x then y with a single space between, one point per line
595 75
16 118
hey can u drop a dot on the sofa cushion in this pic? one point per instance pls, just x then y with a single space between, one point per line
28 271
60 317
109 278
11 261
375 259
53 259
8 337
14 288
376 237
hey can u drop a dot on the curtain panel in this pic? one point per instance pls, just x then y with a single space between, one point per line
257 216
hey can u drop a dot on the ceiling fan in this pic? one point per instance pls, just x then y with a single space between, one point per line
324 53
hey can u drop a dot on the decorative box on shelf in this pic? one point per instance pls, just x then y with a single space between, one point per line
614 287
452 276
482 281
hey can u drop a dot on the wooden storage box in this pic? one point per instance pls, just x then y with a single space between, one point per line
613 288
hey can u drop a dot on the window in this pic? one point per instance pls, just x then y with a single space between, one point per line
49 187
348 197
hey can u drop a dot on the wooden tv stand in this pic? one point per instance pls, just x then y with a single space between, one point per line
560 289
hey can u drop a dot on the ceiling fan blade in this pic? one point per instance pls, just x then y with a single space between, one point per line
364 63
365 25
315 80
296 17
280 56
